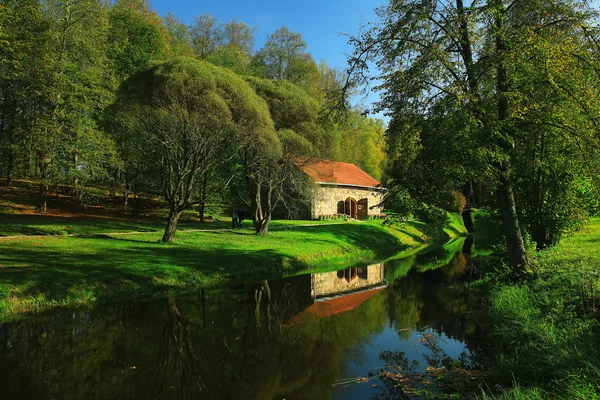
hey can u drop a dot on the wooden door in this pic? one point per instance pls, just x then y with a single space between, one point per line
363 209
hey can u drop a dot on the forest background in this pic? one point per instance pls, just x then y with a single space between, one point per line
62 118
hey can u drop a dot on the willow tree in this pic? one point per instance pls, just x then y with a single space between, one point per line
296 118
185 117
459 63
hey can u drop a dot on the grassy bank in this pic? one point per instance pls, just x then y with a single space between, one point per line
41 273
545 331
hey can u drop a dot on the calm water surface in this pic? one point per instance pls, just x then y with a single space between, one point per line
297 338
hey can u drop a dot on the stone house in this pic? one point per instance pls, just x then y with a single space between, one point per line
342 189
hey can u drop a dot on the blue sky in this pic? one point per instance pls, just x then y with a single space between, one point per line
319 22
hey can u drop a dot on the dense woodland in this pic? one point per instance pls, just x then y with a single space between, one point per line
95 93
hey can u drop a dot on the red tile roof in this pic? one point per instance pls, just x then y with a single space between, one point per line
336 305
324 171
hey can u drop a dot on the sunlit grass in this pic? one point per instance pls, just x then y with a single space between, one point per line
40 273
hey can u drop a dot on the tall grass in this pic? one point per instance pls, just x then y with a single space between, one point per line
544 332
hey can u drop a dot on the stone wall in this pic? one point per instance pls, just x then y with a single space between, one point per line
326 199
331 283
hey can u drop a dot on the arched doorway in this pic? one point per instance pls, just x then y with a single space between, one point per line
341 207
363 209
351 208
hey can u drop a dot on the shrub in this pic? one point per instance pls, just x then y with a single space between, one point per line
430 214
454 201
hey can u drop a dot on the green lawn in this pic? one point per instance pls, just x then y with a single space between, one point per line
29 225
67 216
40 273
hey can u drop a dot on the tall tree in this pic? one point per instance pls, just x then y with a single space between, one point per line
179 36
206 35
459 60
137 37
74 90
292 109
285 56
239 35
235 50
23 38
186 116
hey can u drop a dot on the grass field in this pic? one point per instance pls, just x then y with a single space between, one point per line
545 330
38 273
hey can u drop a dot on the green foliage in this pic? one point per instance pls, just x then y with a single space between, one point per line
284 57
292 110
588 192
64 62
137 37
430 214
179 36
188 118
399 200
361 142
497 93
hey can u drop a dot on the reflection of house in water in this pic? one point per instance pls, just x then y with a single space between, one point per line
340 291
346 281
297 298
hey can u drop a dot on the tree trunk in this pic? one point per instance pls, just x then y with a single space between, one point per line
506 199
169 234
256 206
264 225
42 204
512 230
201 210
127 189
44 163
10 164
7 128
75 164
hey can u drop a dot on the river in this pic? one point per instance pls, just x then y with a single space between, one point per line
315 336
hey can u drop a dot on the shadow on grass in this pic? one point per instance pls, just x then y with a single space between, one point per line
362 237
415 225
54 225
16 225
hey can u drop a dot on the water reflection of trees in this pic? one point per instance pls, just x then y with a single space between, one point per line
220 344
213 345
438 297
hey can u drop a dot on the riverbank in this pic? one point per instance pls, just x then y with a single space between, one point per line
544 329
38 274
